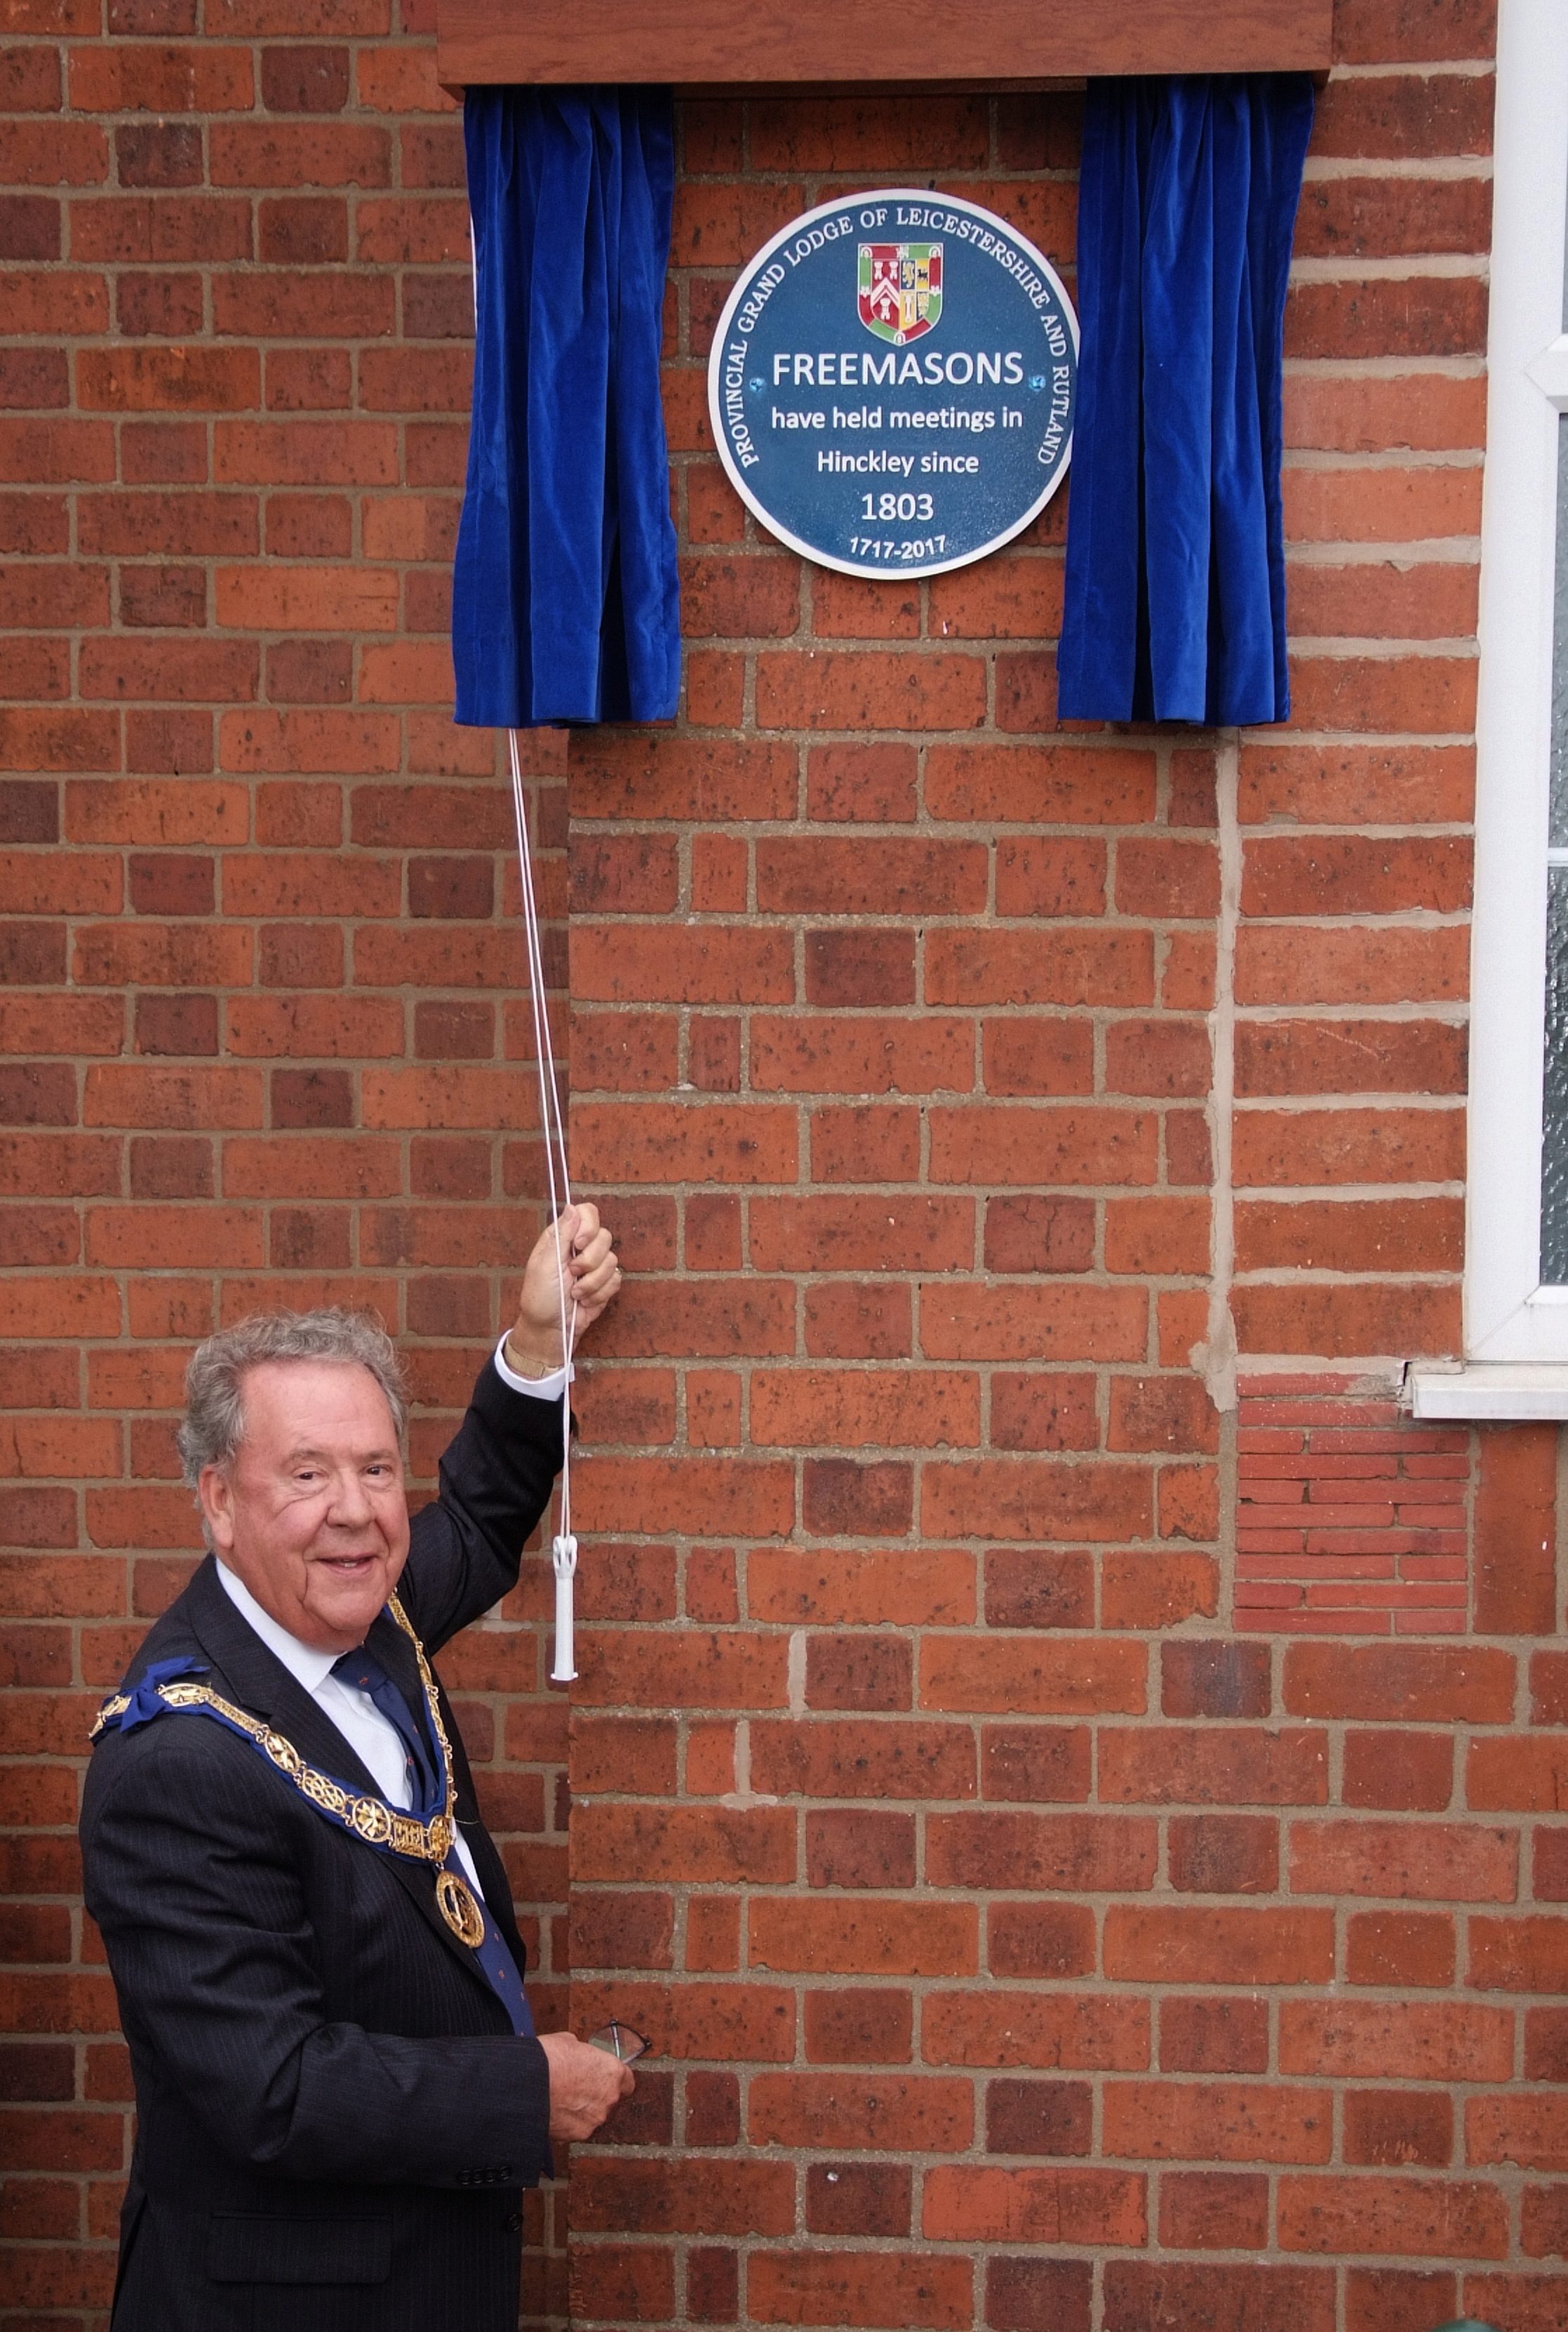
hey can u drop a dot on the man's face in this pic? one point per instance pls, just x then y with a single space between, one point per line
311 1513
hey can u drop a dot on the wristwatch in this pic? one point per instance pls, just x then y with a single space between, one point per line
533 1370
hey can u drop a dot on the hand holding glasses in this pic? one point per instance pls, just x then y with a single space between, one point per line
620 2041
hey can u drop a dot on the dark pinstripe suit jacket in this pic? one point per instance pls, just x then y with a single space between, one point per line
334 2116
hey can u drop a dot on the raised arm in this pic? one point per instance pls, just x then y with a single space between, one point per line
497 1473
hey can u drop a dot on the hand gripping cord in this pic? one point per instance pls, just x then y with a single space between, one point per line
564 1546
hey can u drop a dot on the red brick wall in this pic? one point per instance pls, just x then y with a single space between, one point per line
1043 1919
264 1025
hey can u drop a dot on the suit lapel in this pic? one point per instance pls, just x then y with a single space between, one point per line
256 1679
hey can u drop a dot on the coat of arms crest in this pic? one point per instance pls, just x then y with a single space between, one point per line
900 289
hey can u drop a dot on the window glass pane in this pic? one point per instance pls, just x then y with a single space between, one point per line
1558 835
1554 1096
1555 1142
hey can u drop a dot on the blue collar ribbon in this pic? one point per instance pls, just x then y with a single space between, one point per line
164 1689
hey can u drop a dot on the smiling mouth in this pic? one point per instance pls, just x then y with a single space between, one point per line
349 1565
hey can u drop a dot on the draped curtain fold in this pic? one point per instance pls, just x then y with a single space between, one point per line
1175 566
566 596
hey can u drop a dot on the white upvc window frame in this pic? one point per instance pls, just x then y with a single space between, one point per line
1516 1331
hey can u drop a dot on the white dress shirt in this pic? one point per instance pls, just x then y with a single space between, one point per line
373 1738
548 1388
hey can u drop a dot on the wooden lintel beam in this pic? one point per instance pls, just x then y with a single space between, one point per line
797 44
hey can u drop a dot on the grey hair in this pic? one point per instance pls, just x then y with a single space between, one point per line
214 1422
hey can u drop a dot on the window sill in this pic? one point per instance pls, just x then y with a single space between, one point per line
1492 1391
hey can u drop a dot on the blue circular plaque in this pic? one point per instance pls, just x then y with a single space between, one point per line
892 382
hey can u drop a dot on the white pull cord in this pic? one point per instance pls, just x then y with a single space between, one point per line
564 1560
564 1547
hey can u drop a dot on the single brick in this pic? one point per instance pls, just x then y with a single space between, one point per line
1207 2035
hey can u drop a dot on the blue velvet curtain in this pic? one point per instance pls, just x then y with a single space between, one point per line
1175 565
565 599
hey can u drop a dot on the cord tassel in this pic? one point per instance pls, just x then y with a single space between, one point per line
564 1558
564 1548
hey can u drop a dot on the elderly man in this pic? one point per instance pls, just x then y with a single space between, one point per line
339 2091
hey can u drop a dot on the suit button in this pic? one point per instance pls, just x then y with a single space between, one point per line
513 2223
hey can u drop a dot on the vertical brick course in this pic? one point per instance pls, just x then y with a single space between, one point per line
1350 1520
1039 1915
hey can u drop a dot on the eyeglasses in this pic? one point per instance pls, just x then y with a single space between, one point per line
620 2041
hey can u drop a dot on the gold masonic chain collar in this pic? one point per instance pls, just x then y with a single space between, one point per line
369 1818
